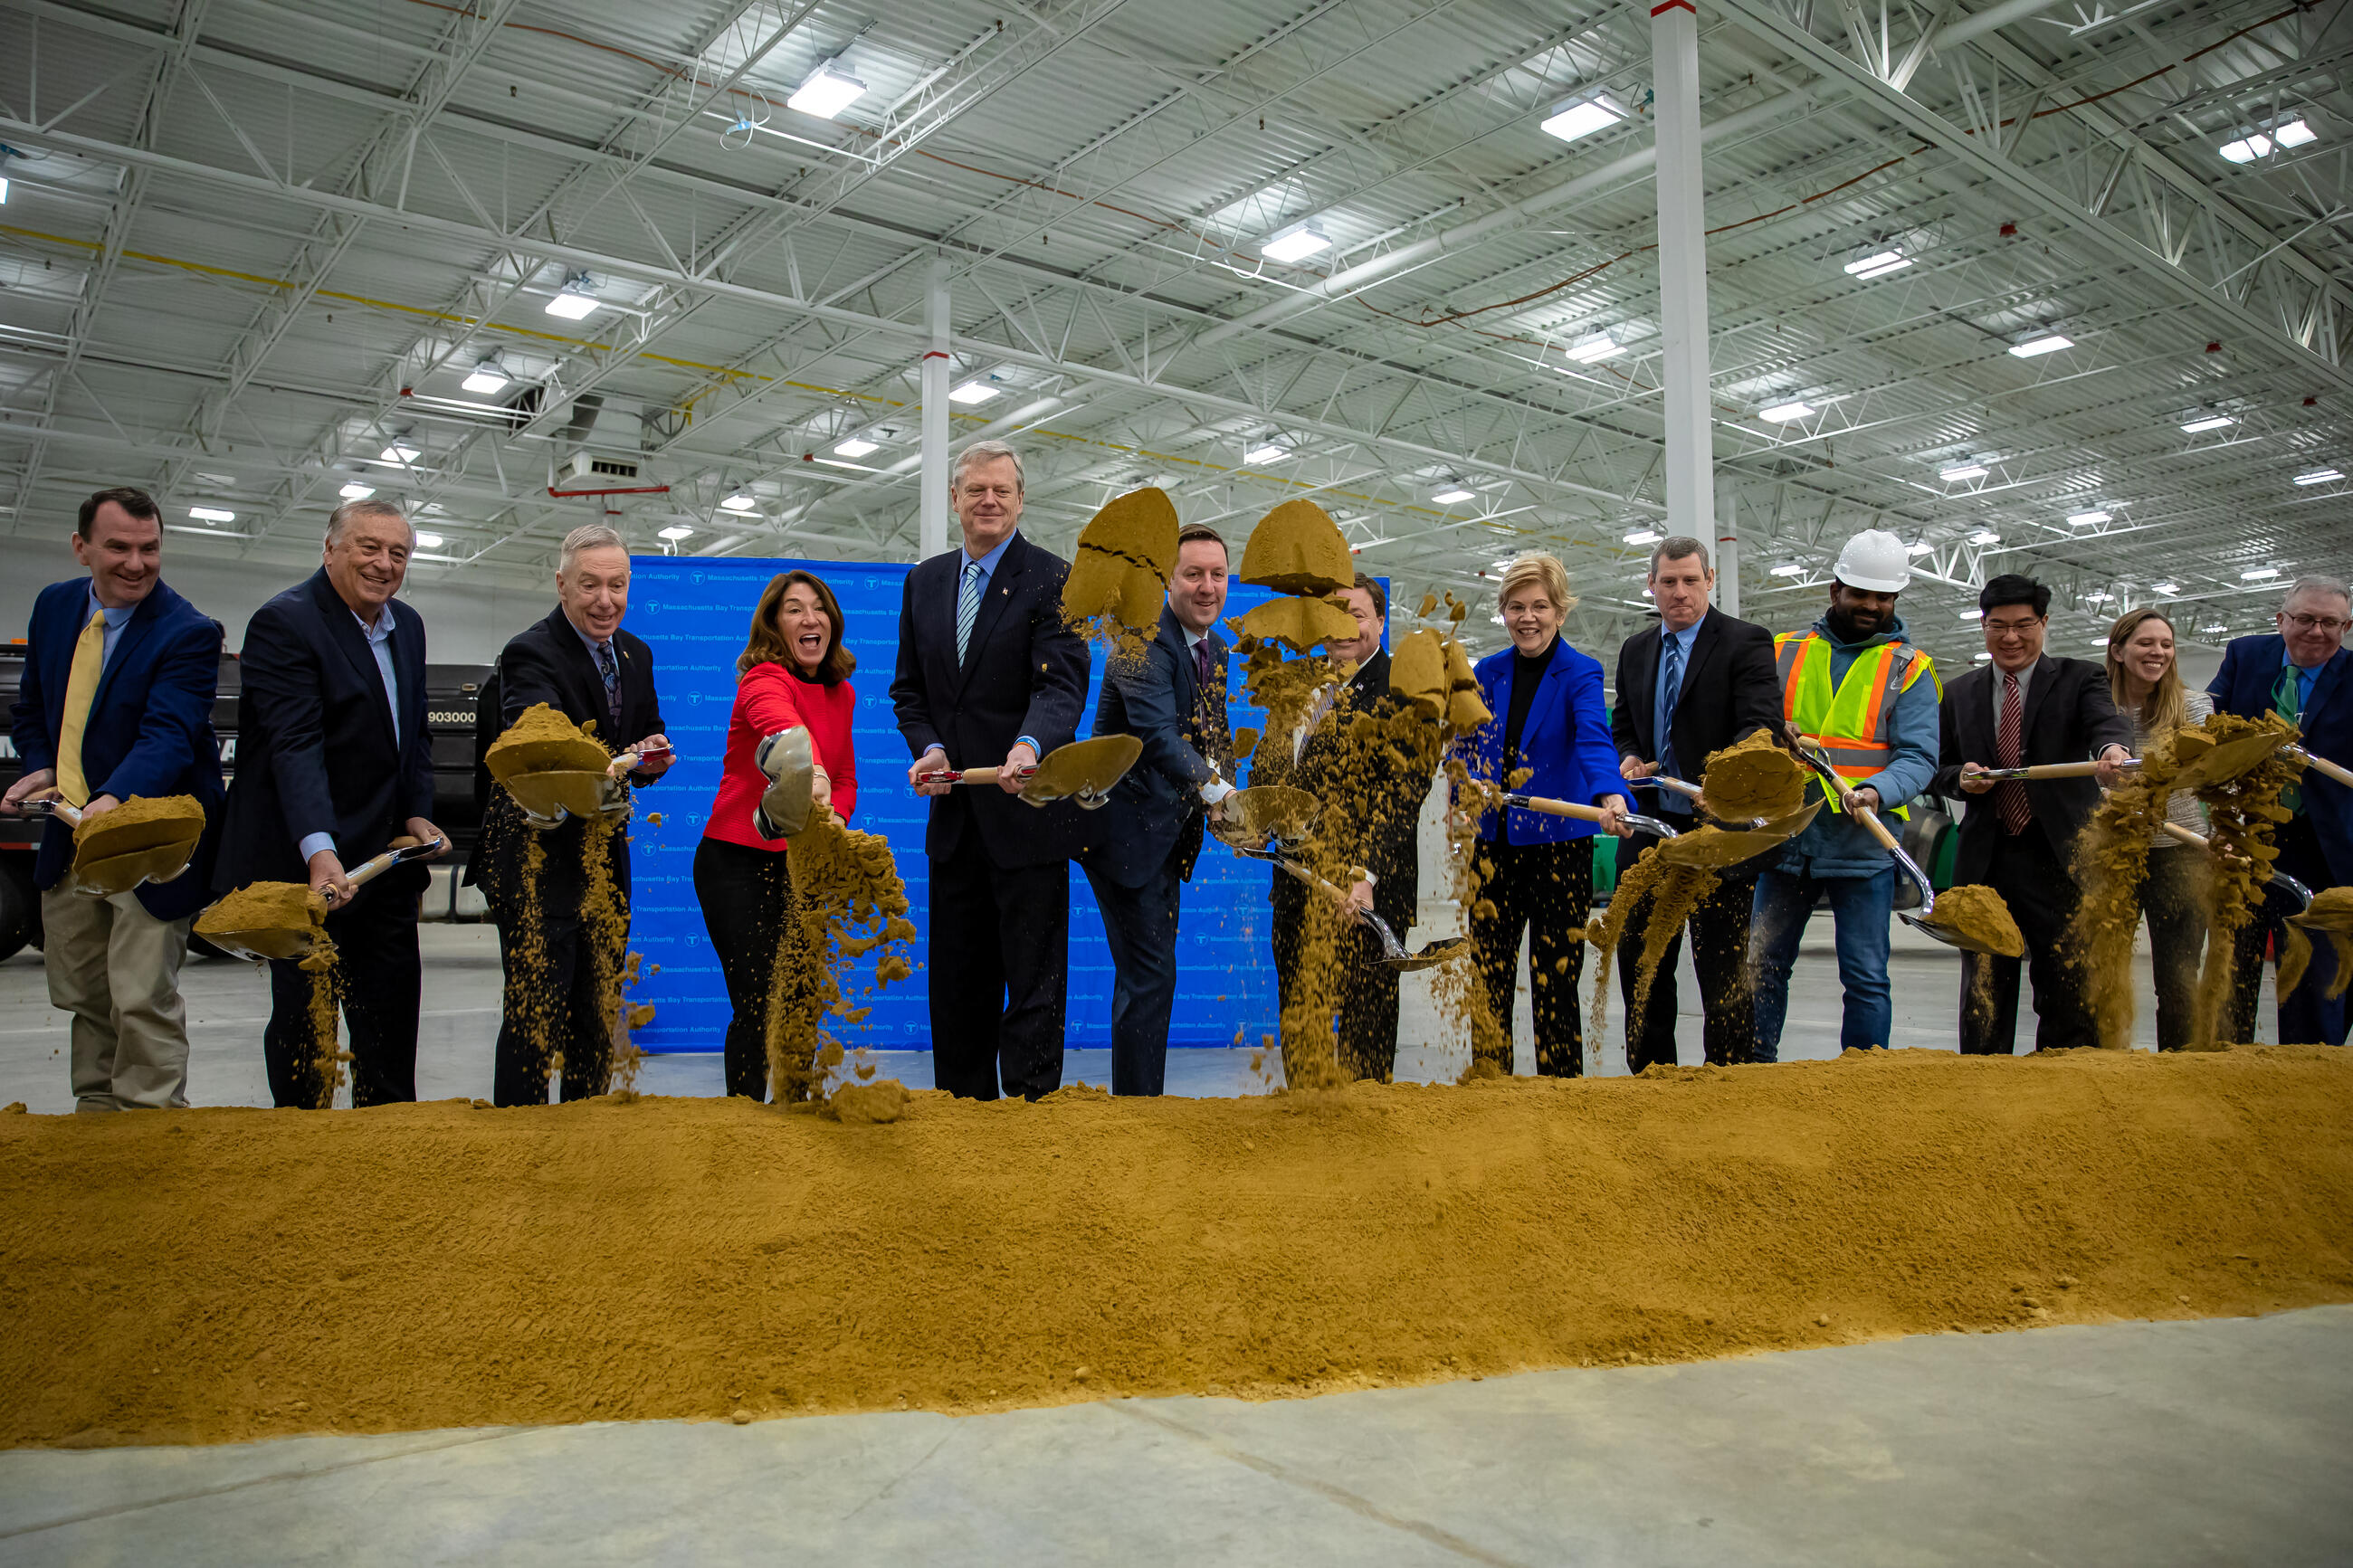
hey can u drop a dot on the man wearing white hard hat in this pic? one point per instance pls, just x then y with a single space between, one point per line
1854 684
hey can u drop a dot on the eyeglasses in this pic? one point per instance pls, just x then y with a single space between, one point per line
2328 624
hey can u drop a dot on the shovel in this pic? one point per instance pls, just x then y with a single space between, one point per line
2280 880
1083 770
790 762
2320 764
1393 955
1926 919
1262 811
1718 848
107 863
1584 812
300 942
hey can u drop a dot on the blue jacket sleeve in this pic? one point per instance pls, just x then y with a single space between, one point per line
281 677
37 747
2219 688
1148 687
179 708
1914 726
1597 753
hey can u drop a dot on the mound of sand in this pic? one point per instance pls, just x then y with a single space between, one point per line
545 740
215 1276
1977 913
1297 549
1756 778
143 822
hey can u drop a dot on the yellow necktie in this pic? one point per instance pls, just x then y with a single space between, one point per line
81 685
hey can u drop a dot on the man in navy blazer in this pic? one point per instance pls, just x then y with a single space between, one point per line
988 676
333 764
1174 698
2304 674
116 701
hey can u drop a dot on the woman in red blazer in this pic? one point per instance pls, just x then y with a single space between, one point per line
792 671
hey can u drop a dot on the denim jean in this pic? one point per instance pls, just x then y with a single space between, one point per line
1861 906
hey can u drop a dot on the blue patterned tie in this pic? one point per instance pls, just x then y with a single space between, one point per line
611 671
1670 692
968 607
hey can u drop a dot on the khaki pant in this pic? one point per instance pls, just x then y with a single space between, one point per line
116 968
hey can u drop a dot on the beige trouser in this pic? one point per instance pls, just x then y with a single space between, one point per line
116 968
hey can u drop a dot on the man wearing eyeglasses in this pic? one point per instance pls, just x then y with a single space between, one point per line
2303 674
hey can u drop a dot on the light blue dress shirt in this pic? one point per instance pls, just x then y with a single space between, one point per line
115 621
379 641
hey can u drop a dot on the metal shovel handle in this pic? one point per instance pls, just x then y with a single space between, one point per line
370 869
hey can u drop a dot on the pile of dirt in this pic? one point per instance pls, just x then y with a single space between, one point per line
265 906
689 1259
1754 779
1298 549
1120 571
143 822
1977 913
545 740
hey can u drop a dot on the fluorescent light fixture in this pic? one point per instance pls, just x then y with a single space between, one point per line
826 92
572 301
1973 615
2049 343
1985 536
1878 264
1965 471
1644 536
1268 453
2214 628
2100 598
856 446
486 377
1582 116
676 531
1782 413
972 391
1922 548
1787 569
2085 519
2259 574
2168 588
1297 243
2211 422
1593 349
356 491
2319 477
741 500
2257 144
427 541
400 451
211 514
1451 494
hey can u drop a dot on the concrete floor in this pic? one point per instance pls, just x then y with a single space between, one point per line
230 1002
2131 1444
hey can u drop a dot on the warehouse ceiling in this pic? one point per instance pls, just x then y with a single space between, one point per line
252 253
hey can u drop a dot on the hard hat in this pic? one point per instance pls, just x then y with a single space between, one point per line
1874 560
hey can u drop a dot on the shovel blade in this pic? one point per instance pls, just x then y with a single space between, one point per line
790 762
1265 811
558 793
113 874
1429 955
2222 763
264 943
1717 848
1083 769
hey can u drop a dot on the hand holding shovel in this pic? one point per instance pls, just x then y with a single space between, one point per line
1083 771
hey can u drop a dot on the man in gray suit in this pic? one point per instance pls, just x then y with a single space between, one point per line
1173 699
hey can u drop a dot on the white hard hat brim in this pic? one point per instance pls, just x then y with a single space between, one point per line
1873 584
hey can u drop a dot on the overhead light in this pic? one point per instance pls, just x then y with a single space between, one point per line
2294 133
1644 536
1973 615
2085 519
1597 348
400 451
1985 536
2214 628
2100 598
2259 574
972 391
826 92
427 541
2168 589
676 531
1787 569
2318 477
486 378
1879 264
356 491
856 446
211 514
2248 148
2211 422
1965 471
2049 343
572 301
1922 548
1451 494
1262 455
741 500
1297 243
1782 413
1582 116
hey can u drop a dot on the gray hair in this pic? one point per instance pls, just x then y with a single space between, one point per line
1680 547
339 521
2313 582
982 452
589 536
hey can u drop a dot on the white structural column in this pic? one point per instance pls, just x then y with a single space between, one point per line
933 531
1727 557
1683 269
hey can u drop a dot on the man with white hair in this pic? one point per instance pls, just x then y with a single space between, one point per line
333 764
2303 673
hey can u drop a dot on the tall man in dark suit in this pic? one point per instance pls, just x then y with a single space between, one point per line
2024 709
333 764
2304 674
1698 681
1174 698
561 975
116 701
988 675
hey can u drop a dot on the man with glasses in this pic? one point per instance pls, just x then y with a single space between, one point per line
2021 708
2303 674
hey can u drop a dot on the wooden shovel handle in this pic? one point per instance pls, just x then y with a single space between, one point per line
1878 829
2063 770
1561 808
2323 766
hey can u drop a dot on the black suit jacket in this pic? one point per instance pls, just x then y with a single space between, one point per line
1730 690
2069 718
1384 794
1156 810
1024 673
316 752
549 663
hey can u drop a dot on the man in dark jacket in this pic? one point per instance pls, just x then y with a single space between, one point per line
988 676
1695 683
2024 709
116 701
563 966
1174 698
333 764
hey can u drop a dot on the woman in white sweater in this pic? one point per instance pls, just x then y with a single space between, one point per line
2148 689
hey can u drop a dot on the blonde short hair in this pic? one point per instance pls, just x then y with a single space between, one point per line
1536 570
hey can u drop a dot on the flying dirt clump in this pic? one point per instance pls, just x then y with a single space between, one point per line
2330 914
545 740
847 901
1298 625
2110 863
2244 814
143 822
1754 778
1979 914
1125 555
1298 549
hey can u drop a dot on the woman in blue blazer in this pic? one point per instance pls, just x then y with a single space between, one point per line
1532 872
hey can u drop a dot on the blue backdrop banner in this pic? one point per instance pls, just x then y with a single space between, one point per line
695 613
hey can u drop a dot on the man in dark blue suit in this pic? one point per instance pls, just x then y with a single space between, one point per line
333 764
2304 675
1172 697
116 701
988 676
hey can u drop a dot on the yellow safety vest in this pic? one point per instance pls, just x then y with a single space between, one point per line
1852 723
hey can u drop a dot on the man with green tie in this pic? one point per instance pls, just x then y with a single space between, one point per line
116 701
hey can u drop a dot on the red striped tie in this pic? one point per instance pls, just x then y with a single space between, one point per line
2010 796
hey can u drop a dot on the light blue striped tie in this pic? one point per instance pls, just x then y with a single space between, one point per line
968 607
